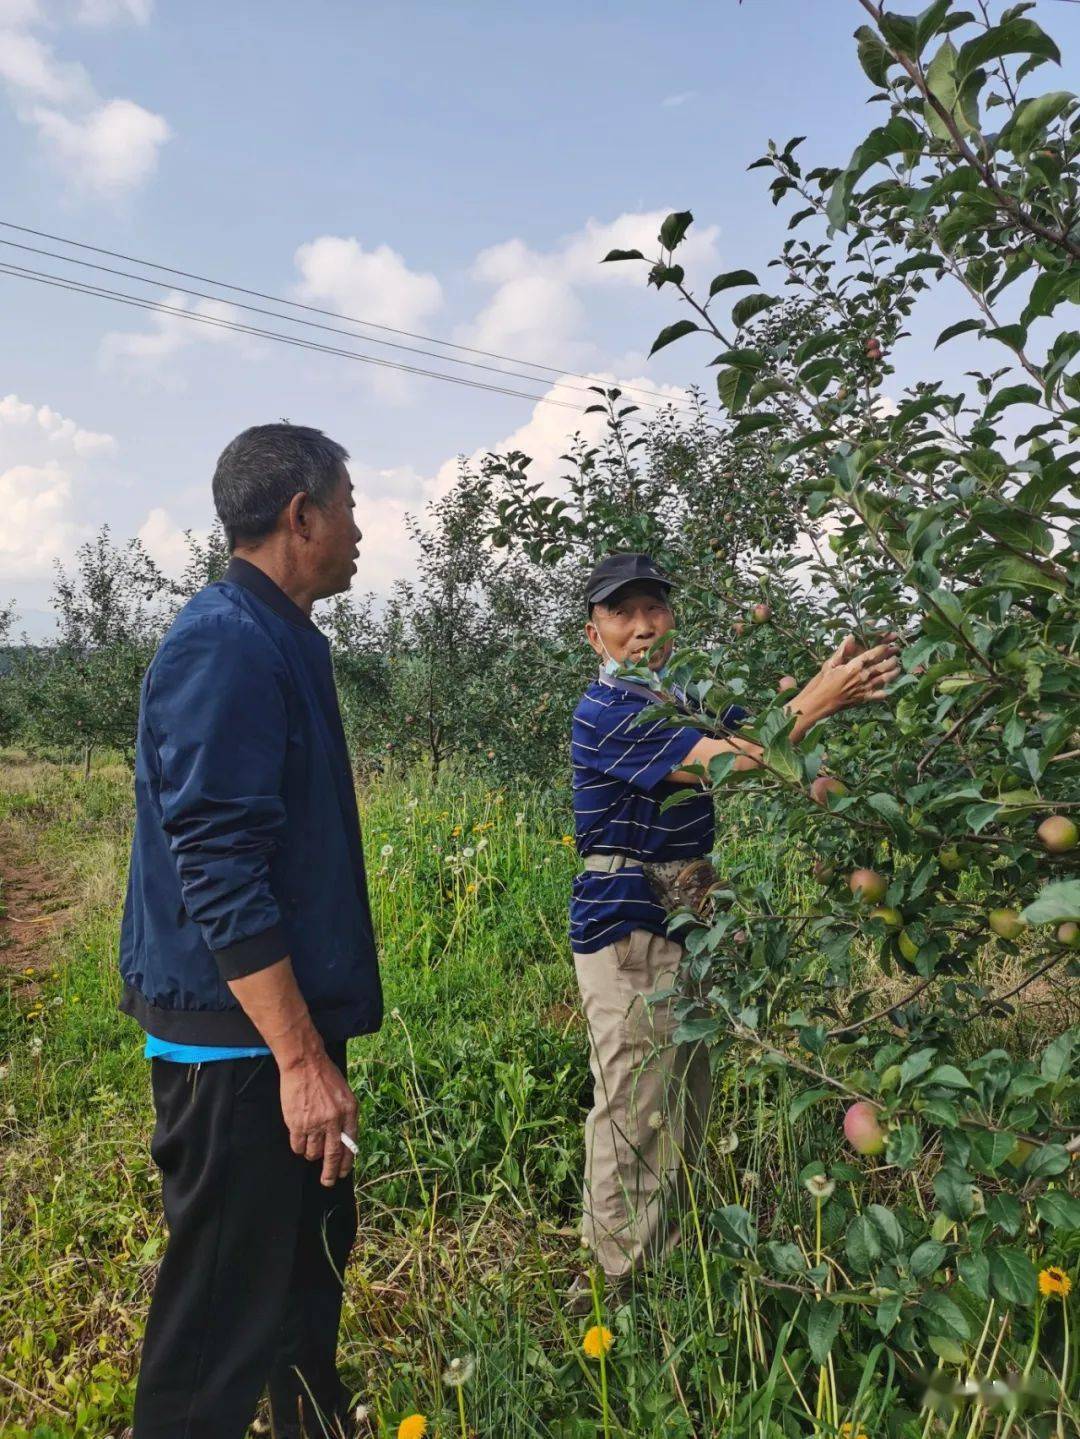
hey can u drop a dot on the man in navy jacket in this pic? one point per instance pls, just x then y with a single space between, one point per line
248 957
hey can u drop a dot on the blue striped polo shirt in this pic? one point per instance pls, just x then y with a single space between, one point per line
621 776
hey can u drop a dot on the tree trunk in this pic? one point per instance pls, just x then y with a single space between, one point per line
87 749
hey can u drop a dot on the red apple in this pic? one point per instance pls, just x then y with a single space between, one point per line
825 785
868 885
823 871
1058 834
862 1130
787 682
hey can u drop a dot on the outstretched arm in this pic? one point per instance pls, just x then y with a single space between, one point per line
848 678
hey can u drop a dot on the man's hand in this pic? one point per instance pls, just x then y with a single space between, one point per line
851 676
318 1106
316 1102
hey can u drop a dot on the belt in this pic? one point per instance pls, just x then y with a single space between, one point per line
609 863
674 882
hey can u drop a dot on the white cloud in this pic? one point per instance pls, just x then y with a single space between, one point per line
166 542
111 149
374 285
538 310
106 147
43 459
144 355
672 102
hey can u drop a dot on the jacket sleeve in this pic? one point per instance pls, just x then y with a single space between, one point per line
217 710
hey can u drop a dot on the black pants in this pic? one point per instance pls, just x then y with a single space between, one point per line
249 1292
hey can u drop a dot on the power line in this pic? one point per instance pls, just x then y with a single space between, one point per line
316 310
78 287
296 320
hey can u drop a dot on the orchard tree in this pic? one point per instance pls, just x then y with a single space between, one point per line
945 841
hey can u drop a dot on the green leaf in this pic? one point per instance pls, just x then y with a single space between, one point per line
975 1272
784 1258
962 327
990 1150
1012 395
1012 1276
730 280
899 135
916 1064
622 255
888 1227
958 98
674 228
1055 903
948 1076
733 385
749 423
1058 1209
673 332
1056 1062
926 1258
1017 36
735 1225
750 305
1004 1211
902 1146
802 1102
888 1312
1045 1163
942 1317
862 1244
952 1189
821 1329
874 56
1031 117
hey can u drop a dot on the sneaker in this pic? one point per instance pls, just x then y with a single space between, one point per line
579 1303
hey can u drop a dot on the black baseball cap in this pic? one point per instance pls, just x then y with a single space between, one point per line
616 570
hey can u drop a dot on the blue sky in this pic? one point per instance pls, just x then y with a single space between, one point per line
454 169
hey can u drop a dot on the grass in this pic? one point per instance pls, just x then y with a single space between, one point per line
472 1099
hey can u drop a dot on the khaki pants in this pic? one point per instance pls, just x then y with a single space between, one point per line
650 1103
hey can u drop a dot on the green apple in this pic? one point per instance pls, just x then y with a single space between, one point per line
907 946
891 918
1068 934
1058 834
1006 923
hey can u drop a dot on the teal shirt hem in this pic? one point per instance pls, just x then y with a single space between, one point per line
198 1053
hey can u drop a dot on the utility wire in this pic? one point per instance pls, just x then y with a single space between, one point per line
78 287
316 310
656 404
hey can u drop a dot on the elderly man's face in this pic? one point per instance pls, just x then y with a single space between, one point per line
627 625
334 547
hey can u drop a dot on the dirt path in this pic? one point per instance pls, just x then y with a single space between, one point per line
32 910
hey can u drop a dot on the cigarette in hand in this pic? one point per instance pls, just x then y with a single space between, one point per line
350 1144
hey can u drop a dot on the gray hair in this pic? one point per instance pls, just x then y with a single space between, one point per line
260 471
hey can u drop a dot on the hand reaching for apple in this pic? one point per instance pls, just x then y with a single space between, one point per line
852 676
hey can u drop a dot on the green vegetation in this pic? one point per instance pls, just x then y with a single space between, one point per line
472 1100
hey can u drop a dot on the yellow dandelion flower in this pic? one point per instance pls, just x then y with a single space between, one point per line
597 1341
1054 1281
456 830
847 1431
471 887
413 1426
568 839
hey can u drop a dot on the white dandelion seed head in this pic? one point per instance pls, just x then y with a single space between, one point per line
35 1044
656 1120
729 1143
468 851
459 1372
481 844
820 1186
386 851
412 805
361 1412
519 818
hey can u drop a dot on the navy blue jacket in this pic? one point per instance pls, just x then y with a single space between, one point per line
247 839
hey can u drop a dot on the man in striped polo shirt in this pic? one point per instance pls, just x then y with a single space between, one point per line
650 1097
